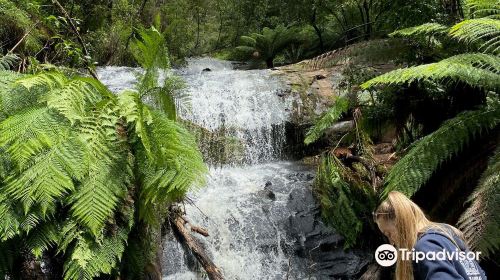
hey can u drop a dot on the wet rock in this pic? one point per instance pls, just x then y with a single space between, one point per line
206 70
319 243
271 196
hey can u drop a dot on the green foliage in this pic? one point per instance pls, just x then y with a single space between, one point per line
482 31
484 8
328 119
346 203
426 29
430 152
68 176
475 69
267 44
7 61
480 222
149 49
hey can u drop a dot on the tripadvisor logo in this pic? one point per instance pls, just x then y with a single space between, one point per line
387 255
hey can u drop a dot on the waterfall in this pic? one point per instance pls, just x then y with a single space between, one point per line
258 207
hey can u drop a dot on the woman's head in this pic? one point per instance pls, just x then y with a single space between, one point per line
400 219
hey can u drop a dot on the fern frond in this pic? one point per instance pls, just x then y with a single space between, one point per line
11 99
96 199
345 204
482 31
484 8
8 61
42 238
48 176
89 259
73 99
49 80
30 132
178 166
99 131
425 157
475 69
149 50
138 115
481 221
426 29
9 224
340 106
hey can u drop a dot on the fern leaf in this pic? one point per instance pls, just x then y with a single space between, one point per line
345 205
48 80
89 259
476 69
97 197
426 29
8 61
73 99
329 118
137 114
484 8
418 165
483 31
481 221
9 224
42 238
178 166
149 49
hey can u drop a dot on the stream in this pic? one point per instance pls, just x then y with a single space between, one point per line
258 207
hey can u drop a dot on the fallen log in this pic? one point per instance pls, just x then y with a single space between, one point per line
212 270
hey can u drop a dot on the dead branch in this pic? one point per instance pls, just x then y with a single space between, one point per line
212 270
22 38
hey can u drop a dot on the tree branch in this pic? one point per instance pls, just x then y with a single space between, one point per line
78 37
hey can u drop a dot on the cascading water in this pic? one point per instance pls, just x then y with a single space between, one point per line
258 208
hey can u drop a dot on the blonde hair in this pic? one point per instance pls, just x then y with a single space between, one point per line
409 221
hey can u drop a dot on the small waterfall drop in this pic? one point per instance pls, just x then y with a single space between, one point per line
257 207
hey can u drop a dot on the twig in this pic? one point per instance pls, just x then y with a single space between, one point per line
78 37
24 37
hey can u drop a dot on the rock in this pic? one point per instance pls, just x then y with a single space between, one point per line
319 77
271 195
268 184
206 70
319 243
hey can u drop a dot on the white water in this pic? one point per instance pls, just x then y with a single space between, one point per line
245 208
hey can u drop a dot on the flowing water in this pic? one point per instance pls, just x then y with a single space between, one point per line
257 207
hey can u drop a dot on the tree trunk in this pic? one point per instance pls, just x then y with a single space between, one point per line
270 63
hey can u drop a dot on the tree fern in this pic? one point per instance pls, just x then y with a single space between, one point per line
426 155
328 119
481 221
75 158
483 31
477 70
